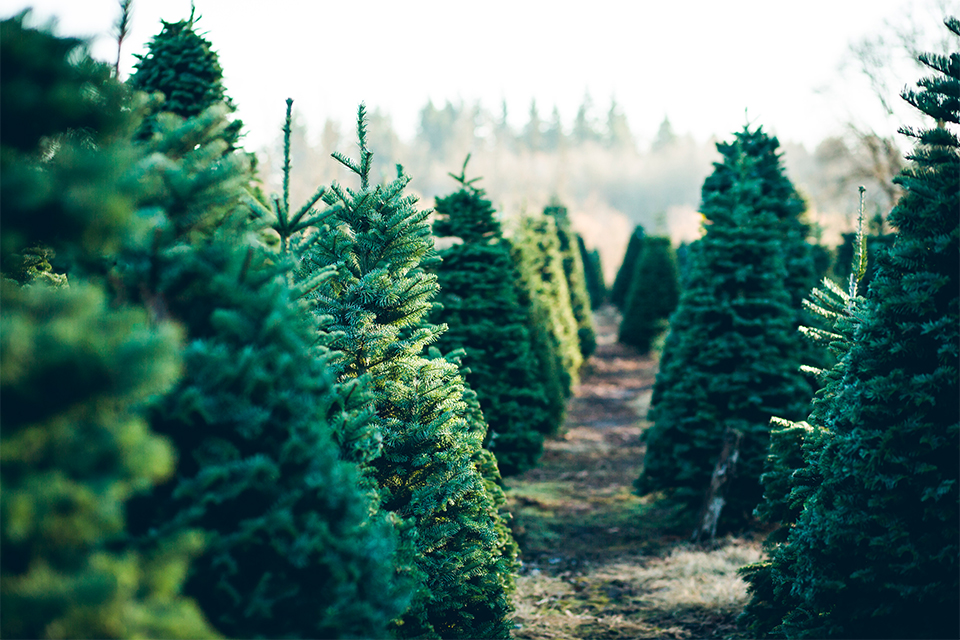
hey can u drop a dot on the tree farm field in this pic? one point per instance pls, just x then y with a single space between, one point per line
599 561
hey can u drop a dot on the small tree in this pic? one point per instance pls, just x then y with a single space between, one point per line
621 284
481 308
871 549
654 293
430 467
729 362
573 269
75 369
593 273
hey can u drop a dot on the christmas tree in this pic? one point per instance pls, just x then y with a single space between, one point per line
430 468
576 279
871 549
593 273
653 296
77 369
481 308
621 284
730 360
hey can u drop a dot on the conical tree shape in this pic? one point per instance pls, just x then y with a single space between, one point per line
76 369
874 551
293 550
576 279
621 284
729 362
182 65
593 273
427 470
481 308
654 293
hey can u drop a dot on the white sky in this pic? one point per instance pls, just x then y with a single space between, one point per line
700 62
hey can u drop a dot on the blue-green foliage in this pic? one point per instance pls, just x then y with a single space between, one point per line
654 293
621 284
75 367
593 274
869 545
431 468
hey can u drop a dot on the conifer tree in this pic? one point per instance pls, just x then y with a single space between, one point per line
730 360
75 369
621 284
536 250
576 279
182 65
431 466
296 546
653 296
871 547
593 274
481 308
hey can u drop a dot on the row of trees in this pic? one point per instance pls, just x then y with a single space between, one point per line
864 483
224 415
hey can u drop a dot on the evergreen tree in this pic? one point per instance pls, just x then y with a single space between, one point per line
536 251
481 308
871 549
181 64
76 370
729 363
296 546
621 284
573 269
874 244
653 296
431 468
593 274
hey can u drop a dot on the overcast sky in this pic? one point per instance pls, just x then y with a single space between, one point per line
699 62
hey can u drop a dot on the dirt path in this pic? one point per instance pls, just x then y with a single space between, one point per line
600 562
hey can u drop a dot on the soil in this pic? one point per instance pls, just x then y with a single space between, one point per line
598 560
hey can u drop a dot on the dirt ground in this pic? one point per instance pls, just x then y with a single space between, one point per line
598 561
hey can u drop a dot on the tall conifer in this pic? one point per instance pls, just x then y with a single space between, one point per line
654 292
874 552
593 273
730 360
573 268
481 308
621 284
431 465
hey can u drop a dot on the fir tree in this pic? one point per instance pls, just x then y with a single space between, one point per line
481 308
536 251
182 65
75 369
729 362
653 296
576 279
621 284
593 273
430 469
296 546
871 550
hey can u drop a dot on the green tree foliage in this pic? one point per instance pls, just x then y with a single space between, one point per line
481 308
573 269
730 360
621 284
536 251
654 292
292 547
871 549
181 64
76 369
431 468
593 274
874 243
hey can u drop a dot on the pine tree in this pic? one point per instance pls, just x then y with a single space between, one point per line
573 269
593 273
621 284
76 369
430 469
296 546
653 296
729 362
536 251
872 550
182 65
481 308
